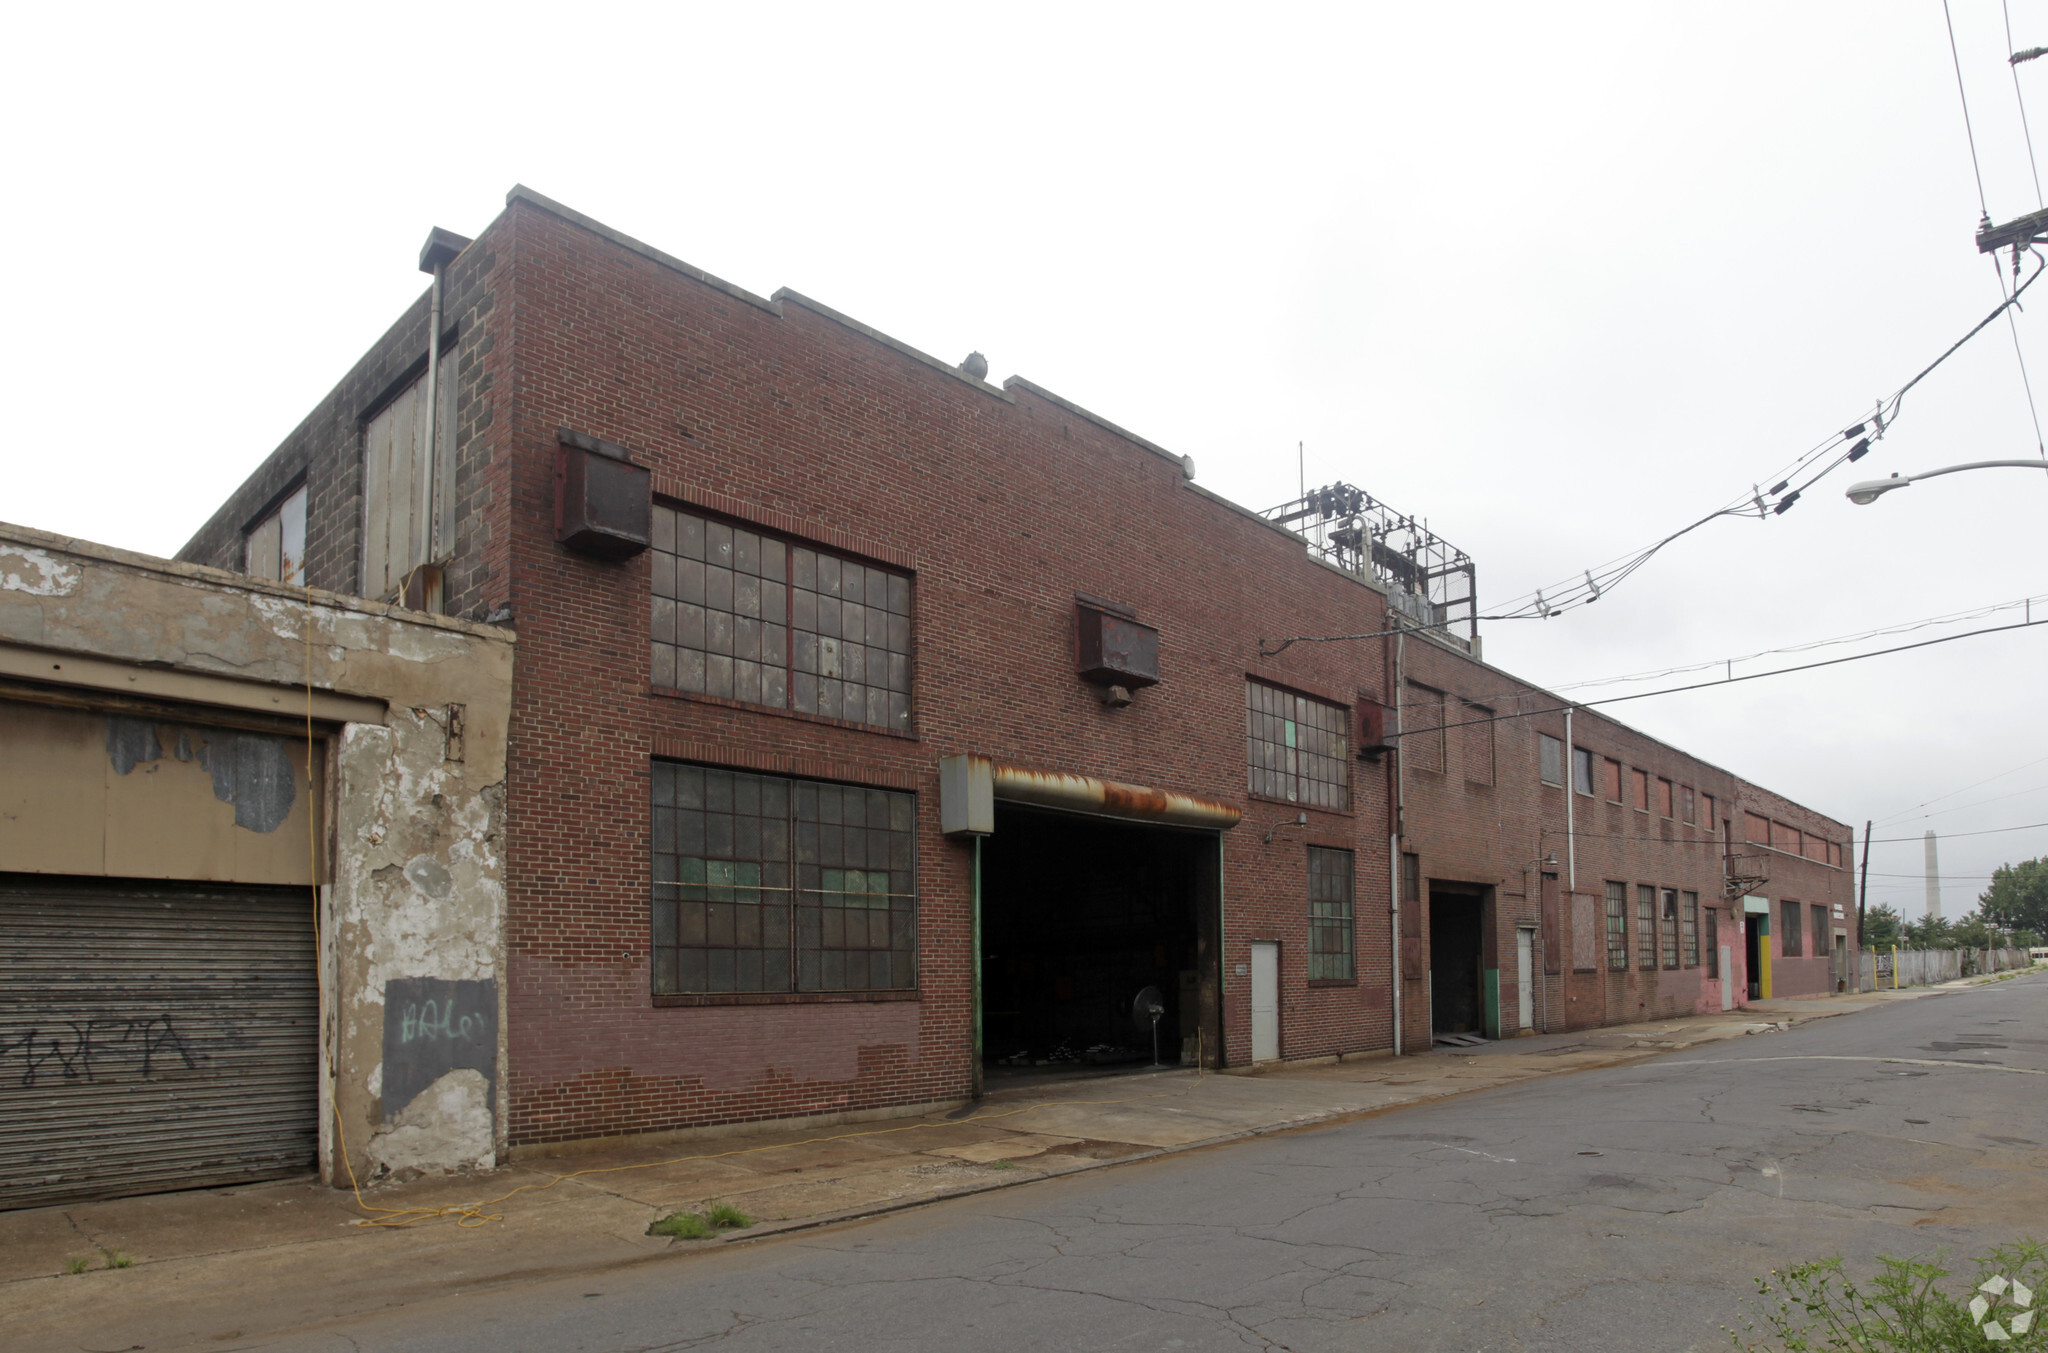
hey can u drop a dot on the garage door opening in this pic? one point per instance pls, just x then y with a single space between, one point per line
153 1036
1457 983
1079 915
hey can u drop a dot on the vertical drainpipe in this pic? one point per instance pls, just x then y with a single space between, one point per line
1394 802
1571 794
434 412
974 945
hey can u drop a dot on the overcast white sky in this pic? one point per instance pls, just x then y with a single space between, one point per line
1559 278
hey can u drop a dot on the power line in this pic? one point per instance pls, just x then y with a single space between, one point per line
1749 676
1790 483
1951 836
1963 94
1964 790
2013 63
1979 803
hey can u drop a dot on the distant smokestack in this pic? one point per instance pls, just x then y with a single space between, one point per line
1933 880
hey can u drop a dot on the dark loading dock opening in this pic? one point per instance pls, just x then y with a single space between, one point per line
1457 1003
1080 914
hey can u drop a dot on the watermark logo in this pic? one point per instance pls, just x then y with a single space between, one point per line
2008 1298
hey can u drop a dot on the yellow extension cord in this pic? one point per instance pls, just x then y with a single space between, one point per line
471 1215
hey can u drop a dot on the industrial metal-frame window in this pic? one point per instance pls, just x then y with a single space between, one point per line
1646 926
748 616
768 884
1550 759
1617 926
1689 920
1790 943
1820 932
1713 940
1296 747
1668 928
1330 945
1582 771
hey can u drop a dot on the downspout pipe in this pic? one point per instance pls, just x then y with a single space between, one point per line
441 249
1394 805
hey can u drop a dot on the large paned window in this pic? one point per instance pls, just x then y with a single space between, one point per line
1646 926
746 616
1669 931
768 884
1296 747
1689 919
1330 947
1617 926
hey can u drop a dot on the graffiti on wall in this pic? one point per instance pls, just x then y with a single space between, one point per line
433 1026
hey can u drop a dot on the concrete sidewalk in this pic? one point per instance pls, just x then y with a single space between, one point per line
225 1264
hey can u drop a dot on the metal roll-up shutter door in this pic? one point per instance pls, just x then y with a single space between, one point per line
153 1037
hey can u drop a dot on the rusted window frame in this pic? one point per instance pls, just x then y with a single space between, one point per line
1276 770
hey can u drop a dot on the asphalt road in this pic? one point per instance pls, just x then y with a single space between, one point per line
1628 1209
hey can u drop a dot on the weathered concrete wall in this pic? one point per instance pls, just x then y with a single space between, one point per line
405 715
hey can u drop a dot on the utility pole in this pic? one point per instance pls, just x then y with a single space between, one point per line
1863 893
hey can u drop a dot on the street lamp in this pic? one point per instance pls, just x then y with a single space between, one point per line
1870 490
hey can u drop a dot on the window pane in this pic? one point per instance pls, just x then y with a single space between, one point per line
1296 748
1617 926
1330 918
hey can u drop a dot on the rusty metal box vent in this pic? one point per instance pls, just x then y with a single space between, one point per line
1376 730
603 502
1116 650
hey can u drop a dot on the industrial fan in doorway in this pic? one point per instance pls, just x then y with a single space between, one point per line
1146 1008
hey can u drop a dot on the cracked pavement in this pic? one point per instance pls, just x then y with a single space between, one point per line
1626 1207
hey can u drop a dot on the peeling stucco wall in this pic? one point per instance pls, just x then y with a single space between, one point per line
413 712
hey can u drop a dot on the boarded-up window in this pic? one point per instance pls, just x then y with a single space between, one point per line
1330 948
1640 790
1646 926
1687 804
1473 737
1820 932
1553 946
1664 798
1550 759
1756 829
1789 942
1296 747
1689 922
1617 926
1411 916
1816 847
275 547
1586 932
767 884
1707 818
1582 771
397 535
1784 838
1610 780
1422 727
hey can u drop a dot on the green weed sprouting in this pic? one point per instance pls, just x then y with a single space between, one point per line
701 1226
1818 1308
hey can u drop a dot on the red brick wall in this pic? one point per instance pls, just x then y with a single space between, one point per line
1004 506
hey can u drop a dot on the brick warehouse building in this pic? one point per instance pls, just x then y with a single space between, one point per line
775 576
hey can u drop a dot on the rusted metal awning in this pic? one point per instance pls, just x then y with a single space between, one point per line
969 778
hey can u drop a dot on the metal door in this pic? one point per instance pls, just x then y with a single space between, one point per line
1525 978
152 1037
1727 979
1265 1000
